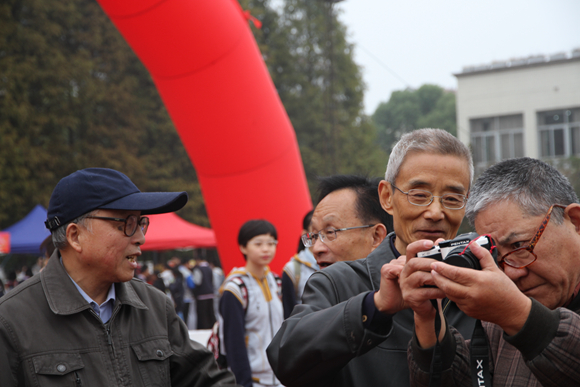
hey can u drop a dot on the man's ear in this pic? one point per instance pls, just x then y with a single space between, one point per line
573 212
243 249
386 196
379 234
73 233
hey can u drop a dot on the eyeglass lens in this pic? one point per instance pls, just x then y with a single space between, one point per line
132 222
519 258
325 235
423 198
524 256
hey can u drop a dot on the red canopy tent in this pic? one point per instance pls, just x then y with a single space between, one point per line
169 231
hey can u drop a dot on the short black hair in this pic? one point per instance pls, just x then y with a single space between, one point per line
305 225
254 228
307 219
368 204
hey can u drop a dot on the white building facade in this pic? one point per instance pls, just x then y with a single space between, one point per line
522 107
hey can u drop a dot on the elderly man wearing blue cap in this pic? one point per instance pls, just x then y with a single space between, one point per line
84 320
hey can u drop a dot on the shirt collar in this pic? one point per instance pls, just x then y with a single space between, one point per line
110 296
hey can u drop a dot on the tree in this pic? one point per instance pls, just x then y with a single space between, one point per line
429 106
73 95
322 90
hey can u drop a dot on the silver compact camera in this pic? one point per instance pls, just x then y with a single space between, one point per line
457 253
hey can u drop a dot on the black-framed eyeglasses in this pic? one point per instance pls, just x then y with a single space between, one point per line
131 223
420 197
326 235
524 256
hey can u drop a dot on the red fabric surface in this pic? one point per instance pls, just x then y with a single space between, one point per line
211 76
169 231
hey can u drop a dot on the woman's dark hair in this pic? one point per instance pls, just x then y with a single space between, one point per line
254 228
305 226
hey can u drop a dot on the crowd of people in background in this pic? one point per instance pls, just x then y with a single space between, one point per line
15 277
22 273
193 286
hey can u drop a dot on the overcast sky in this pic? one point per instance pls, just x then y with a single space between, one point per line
413 42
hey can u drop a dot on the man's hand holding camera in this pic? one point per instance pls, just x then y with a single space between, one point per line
418 288
389 299
417 285
486 294
408 283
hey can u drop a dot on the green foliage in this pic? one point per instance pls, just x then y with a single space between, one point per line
322 90
73 95
429 106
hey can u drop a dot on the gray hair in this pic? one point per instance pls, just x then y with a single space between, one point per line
532 184
59 235
435 141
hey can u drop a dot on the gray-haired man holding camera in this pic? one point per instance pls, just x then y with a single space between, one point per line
528 301
344 334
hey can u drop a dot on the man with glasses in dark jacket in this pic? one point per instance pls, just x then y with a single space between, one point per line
348 221
85 320
348 331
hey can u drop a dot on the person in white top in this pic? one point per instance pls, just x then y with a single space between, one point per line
251 307
297 271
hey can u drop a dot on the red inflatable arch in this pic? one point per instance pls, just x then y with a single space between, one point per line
211 76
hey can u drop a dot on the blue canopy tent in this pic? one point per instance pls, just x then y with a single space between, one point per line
27 234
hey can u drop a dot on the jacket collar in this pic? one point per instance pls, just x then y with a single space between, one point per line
378 257
64 298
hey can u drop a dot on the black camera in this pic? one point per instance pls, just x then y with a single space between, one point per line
457 253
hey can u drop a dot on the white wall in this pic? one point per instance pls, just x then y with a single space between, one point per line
517 90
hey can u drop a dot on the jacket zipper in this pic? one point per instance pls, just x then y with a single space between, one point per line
108 330
78 379
110 341
107 327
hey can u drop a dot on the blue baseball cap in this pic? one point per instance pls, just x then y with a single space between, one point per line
93 188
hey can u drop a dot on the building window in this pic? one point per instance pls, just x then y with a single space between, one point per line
559 132
497 138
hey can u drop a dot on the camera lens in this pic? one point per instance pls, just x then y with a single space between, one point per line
466 259
462 256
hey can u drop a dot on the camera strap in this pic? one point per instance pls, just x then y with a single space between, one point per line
480 358
436 362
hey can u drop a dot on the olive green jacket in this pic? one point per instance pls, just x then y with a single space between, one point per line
50 336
